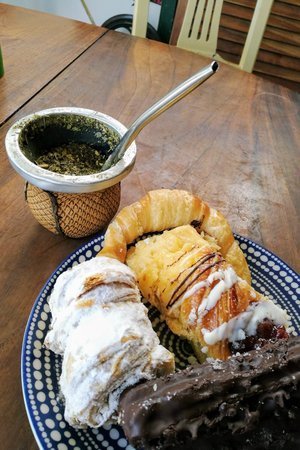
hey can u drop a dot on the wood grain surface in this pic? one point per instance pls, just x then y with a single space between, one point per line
234 141
35 48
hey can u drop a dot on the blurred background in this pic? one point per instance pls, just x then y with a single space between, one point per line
279 55
101 10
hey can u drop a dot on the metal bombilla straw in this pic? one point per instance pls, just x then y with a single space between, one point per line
158 108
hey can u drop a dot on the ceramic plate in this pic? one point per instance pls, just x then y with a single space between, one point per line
41 368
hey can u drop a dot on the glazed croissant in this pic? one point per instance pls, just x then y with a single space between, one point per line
199 294
164 209
101 328
199 282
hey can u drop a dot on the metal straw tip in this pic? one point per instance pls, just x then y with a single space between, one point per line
214 66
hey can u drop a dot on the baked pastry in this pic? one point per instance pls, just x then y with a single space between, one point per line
94 283
164 209
102 330
194 273
199 294
248 402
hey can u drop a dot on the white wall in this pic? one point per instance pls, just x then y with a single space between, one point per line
101 10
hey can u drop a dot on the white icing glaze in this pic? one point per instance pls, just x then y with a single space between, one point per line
245 323
228 278
192 316
218 275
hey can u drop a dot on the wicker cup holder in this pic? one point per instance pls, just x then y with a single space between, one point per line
73 205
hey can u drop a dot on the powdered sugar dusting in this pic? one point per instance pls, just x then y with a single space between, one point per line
106 339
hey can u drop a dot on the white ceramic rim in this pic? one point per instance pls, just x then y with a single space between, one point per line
55 182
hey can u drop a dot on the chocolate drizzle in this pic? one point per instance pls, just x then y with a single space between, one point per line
250 401
185 285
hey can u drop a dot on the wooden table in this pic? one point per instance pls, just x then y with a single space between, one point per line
234 141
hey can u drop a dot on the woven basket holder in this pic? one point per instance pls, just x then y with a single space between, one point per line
73 215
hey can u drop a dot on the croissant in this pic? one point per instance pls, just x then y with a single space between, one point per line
101 328
164 209
200 295
194 273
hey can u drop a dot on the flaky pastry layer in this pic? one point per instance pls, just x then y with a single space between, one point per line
165 209
198 292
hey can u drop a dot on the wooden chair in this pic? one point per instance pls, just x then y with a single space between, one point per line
140 18
200 26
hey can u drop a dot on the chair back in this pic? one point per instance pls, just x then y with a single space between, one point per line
140 18
199 27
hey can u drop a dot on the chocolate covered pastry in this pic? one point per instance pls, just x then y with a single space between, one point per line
250 401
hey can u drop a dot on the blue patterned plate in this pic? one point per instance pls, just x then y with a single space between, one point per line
41 368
